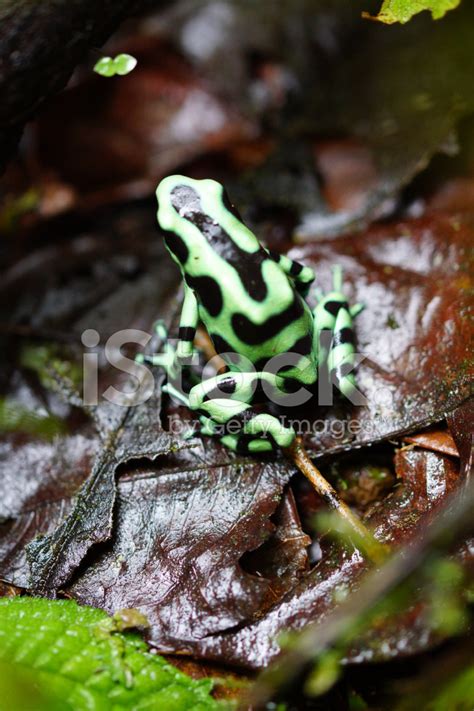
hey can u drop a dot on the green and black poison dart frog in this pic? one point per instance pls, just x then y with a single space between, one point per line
251 302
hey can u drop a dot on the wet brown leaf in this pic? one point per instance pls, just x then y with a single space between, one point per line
436 440
41 480
183 543
179 535
426 479
414 333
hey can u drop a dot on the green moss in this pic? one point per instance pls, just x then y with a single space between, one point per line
14 417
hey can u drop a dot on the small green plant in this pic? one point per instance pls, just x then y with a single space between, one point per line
121 64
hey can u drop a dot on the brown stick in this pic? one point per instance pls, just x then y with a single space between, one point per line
373 549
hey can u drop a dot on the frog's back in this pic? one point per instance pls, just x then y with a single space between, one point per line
246 301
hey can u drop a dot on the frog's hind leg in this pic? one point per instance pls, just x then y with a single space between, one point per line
261 432
244 445
241 443
237 386
224 406
241 425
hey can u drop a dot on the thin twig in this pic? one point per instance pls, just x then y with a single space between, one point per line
373 549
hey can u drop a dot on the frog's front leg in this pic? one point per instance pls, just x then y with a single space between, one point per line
302 276
171 357
188 323
167 357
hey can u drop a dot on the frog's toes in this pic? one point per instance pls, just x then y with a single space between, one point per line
356 309
337 277
317 294
176 394
258 446
264 423
236 443
208 426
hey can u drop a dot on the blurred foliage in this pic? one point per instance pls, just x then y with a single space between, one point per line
447 601
456 694
324 674
15 417
14 207
403 10
49 365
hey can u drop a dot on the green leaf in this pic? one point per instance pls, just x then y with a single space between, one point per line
403 10
58 655
122 64
105 67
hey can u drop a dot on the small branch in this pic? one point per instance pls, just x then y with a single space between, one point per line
373 549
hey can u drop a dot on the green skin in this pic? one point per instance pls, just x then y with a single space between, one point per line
251 302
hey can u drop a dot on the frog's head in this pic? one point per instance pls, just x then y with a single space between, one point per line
197 217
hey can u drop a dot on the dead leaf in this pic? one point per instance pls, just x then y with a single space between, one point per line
414 279
461 425
427 479
436 440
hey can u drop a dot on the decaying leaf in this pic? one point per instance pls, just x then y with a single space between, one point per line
89 456
179 536
426 479
413 335
438 440
54 556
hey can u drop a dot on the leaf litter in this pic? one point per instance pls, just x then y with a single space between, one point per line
210 546
221 552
